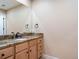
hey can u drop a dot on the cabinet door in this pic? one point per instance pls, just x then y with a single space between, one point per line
6 53
22 55
33 52
10 57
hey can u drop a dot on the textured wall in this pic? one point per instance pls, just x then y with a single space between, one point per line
58 21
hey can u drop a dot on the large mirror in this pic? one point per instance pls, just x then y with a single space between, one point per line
14 17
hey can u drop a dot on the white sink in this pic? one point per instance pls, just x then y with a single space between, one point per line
11 41
3 43
21 39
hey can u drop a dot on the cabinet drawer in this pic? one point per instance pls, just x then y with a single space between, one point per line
21 46
40 41
39 54
22 55
32 43
40 47
6 52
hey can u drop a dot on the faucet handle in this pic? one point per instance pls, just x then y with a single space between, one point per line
13 35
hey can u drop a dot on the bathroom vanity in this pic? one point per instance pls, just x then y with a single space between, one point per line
30 47
19 20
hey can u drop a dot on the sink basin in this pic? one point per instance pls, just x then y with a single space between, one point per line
20 39
2 42
11 41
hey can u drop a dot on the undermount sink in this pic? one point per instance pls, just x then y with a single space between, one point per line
10 41
2 42
20 39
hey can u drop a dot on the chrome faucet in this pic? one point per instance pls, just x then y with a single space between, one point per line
13 35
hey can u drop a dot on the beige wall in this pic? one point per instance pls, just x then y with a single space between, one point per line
17 18
58 22
57 19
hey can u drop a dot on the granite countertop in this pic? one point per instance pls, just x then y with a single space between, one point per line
10 42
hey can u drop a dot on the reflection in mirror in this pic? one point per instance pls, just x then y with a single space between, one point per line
14 17
2 22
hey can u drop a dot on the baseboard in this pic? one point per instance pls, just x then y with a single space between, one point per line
49 57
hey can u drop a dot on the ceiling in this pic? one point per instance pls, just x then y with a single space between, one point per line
8 4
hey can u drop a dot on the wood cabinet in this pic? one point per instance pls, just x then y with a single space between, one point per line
7 53
21 47
32 49
10 57
33 52
21 51
22 55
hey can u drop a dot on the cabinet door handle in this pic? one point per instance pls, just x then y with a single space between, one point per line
40 57
3 55
30 50
40 40
27 52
